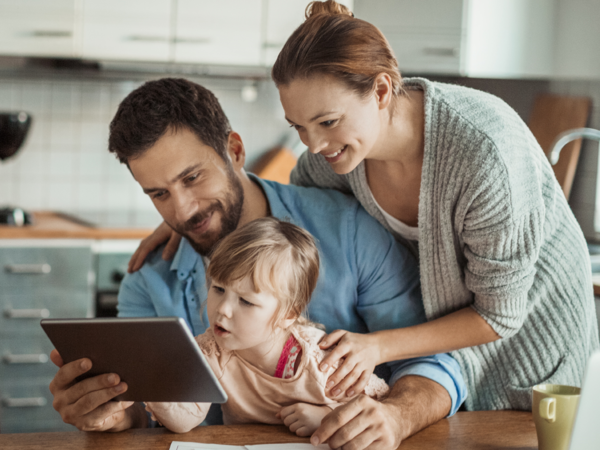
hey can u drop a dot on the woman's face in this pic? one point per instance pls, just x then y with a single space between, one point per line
332 120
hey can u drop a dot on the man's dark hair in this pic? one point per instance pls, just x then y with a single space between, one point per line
149 111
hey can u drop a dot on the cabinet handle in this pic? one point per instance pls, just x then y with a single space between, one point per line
28 269
52 33
41 358
41 313
24 402
142 38
441 51
191 40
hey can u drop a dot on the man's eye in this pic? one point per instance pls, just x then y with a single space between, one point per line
159 194
297 127
191 178
246 302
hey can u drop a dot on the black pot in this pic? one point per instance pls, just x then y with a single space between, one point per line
13 129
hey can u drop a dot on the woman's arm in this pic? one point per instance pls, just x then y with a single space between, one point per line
164 233
358 354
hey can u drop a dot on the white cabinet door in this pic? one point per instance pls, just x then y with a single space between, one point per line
282 18
130 30
218 32
426 35
40 28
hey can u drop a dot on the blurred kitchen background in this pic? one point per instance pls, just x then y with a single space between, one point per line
69 63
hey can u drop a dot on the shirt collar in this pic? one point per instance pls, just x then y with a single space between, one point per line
272 190
185 259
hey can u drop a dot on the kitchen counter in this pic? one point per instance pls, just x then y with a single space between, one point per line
50 225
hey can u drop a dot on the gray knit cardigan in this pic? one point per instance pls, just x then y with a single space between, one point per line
495 234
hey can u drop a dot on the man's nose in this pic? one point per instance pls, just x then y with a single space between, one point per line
186 205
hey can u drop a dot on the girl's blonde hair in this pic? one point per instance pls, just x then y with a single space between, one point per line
278 257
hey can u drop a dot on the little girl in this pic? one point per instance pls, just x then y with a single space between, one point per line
262 349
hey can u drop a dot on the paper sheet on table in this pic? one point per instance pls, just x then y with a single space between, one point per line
198 446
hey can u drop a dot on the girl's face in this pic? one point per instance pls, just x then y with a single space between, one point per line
242 319
333 120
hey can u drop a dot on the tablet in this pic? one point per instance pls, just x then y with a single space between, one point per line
157 357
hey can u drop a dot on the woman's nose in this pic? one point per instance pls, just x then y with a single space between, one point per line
316 143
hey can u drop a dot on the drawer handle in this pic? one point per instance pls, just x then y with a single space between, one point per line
28 269
41 313
440 51
40 358
24 402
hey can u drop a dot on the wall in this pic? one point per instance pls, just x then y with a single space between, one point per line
64 164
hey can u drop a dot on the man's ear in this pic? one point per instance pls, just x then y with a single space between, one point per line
236 150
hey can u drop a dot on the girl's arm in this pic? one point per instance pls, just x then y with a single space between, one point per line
178 417
362 352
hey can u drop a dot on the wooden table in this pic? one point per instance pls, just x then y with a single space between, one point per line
483 430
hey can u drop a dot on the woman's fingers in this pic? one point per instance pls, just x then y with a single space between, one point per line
360 385
171 248
331 339
159 236
343 379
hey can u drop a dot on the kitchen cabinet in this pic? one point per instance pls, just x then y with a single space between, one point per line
478 38
578 39
127 30
40 28
282 17
39 279
224 32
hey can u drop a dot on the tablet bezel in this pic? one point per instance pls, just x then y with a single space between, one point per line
157 357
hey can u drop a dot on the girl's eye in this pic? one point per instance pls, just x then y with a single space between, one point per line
218 289
245 302
328 123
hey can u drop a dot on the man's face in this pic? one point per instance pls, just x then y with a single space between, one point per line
194 190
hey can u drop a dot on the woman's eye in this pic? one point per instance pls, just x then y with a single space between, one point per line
328 123
246 302
218 289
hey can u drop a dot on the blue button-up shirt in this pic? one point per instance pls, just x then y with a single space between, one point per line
367 281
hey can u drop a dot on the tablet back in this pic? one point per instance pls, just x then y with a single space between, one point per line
157 357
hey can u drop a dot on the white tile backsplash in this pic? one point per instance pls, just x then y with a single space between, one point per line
65 164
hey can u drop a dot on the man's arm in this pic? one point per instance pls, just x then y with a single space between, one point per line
414 403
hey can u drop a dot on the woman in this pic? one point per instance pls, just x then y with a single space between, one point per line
456 175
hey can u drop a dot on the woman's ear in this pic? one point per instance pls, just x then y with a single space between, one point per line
384 91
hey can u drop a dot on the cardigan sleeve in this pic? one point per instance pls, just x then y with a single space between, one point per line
502 235
313 171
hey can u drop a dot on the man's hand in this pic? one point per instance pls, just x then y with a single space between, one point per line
357 355
163 233
86 404
363 423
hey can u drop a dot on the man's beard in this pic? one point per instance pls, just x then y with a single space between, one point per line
231 212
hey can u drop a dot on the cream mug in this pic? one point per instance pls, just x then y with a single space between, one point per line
554 408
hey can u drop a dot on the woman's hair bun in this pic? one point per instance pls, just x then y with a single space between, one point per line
329 7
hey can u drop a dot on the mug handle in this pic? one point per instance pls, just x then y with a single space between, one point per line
548 409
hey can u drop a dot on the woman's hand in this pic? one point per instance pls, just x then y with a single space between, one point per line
163 233
357 356
303 418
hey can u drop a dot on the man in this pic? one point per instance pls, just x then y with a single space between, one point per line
178 145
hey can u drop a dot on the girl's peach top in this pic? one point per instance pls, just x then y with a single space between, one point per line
254 396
